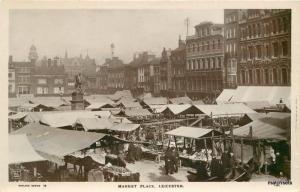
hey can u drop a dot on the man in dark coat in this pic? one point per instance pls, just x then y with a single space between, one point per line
168 157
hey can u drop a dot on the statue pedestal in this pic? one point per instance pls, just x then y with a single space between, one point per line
77 102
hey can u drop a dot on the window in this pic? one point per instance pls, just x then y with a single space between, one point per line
279 25
267 51
259 51
24 79
285 24
258 76
275 49
42 81
23 90
284 48
207 45
219 43
58 81
243 77
250 77
284 76
58 90
251 52
234 48
274 27
266 76
10 75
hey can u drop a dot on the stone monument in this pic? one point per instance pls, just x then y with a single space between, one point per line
77 102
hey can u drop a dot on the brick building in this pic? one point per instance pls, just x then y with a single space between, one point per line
165 73
178 60
231 47
11 78
204 62
265 45
23 72
49 79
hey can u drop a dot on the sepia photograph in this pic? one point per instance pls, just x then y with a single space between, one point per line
149 95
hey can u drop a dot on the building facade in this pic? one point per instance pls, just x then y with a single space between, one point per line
265 45
231 46
23 72
165 73
178 66
49 79
11 78
205 62
115 74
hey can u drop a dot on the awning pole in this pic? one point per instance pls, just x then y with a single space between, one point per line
242 153
213 143
206 149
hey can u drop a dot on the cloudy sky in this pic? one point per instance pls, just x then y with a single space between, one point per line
93 31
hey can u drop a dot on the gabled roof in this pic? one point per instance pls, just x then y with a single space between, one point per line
191 132
234 109
21 151
95 123
135 112
124 127
225 96
156 101
68 118
176 109
271 94
99 106
181 100
57 142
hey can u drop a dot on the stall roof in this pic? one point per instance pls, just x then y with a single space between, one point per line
134 112
158 108
18 116
53 102
21 150
272 125
262 130
156 101
198 102
95 123
231 109
98 99
68 118
225 96
125 127
129 103
176 109
272 94
99 105
190 132
58 142
255 105
181 100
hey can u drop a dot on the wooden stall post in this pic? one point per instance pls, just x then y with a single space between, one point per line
259 155
213 143
206 149
232 137
242 153
251 139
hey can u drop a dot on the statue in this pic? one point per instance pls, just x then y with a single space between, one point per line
78 82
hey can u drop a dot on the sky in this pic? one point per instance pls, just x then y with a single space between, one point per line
93 31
